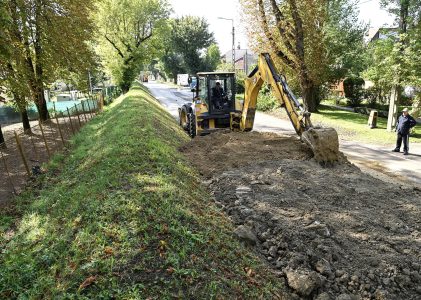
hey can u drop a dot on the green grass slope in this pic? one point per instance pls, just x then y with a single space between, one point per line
122 215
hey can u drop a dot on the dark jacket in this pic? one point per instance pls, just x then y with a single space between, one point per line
217 92
405 123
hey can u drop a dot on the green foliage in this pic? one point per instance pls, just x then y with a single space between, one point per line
265 100
316 42
189 47
353 88
211 59
374 95
5 48
344 41
239 86
48 40
125 214
224 67
396 59
131 33
189 36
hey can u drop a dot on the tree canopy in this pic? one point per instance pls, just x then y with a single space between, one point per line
129 35
311 39
46 37
190 47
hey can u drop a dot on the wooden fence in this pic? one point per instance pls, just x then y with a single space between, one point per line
23 153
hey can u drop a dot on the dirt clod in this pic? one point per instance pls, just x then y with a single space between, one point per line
360 236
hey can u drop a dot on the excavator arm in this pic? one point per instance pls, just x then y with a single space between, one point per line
265 71
323 141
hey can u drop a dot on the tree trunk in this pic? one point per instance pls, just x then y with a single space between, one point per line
40 98
41 105
396 94
25 121
1 137
309 93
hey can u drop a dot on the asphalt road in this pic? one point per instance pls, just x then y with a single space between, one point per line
374 159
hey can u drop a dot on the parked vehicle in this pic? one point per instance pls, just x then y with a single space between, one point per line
183 79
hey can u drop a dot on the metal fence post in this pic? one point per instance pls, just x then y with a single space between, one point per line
22 154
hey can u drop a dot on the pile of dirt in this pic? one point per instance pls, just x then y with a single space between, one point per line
331 233
223 150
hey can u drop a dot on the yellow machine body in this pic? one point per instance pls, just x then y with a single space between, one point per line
208 113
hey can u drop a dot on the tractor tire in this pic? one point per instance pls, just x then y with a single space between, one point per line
191 125
183 118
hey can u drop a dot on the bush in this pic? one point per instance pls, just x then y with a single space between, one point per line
239 83
353 88
265 100
372 94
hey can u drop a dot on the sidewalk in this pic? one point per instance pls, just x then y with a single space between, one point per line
374 159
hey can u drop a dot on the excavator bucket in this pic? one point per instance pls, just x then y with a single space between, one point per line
324 142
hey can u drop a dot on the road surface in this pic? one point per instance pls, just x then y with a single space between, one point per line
374 159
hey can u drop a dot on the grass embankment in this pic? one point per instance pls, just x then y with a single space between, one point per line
123 216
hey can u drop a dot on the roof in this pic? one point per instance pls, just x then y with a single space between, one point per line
380 33
216 73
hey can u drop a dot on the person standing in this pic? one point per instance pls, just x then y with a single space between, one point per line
403 126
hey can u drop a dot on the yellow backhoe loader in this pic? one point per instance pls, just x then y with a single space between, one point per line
214 106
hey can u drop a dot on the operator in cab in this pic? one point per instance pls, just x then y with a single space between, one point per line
217 95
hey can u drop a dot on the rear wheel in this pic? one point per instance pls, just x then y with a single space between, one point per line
191 125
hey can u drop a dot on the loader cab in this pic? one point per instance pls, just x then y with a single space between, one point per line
212 106
216 90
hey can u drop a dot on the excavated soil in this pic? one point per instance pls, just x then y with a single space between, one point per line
329 232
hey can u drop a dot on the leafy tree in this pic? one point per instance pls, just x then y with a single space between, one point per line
395 61
172 60
401 51
344 41
190 36
310 39
380 69
47 35
129 31
211 59
4 24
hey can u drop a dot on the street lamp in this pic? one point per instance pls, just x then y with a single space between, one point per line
233 41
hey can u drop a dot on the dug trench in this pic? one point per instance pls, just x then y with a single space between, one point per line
329 232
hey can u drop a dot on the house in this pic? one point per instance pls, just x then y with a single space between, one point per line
374 34
245 59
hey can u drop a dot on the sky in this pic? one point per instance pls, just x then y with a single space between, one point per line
370 12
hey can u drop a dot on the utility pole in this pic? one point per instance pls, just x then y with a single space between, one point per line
233 41
90 82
